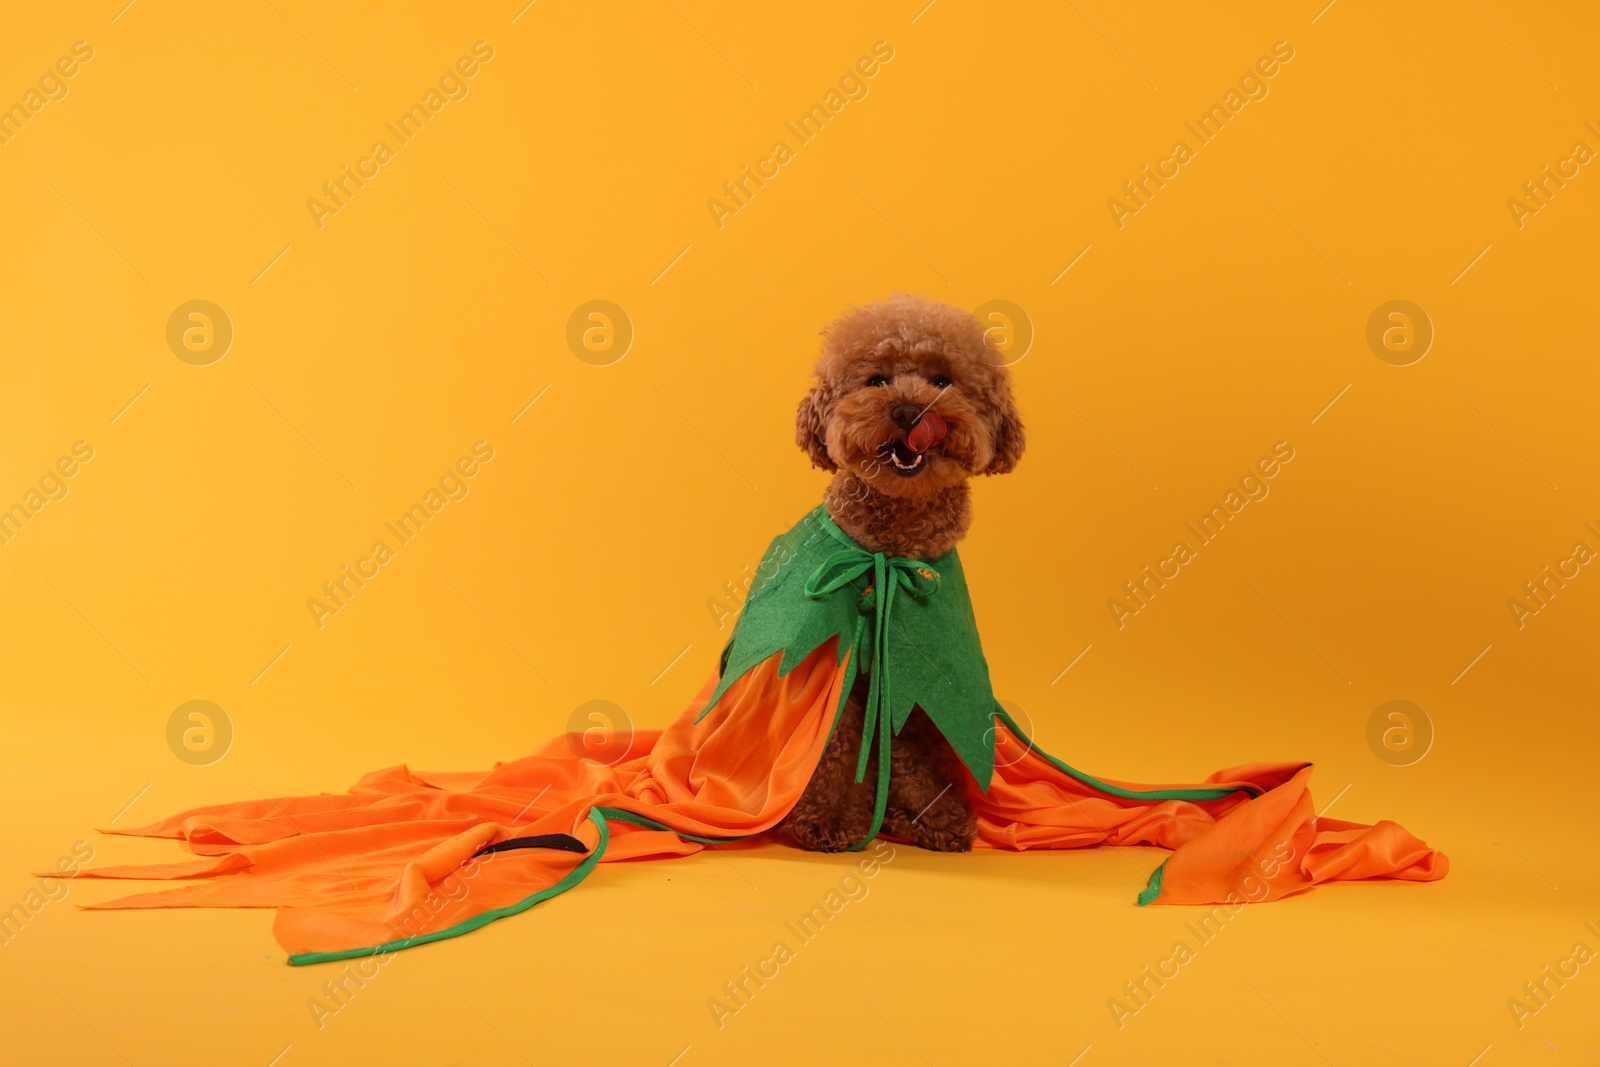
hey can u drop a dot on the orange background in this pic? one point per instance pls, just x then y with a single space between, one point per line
371 352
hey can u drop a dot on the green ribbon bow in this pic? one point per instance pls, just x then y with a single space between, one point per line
889 575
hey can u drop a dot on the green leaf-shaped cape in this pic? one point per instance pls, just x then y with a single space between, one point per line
907 623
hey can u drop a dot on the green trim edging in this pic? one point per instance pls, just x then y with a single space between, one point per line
598 816
623 815
466 926
1152 888
1195 793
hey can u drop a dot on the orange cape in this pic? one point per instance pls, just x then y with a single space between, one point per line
410 857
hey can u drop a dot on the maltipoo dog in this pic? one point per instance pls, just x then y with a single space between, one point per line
911 401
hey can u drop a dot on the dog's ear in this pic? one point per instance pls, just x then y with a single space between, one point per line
811 425
1006 423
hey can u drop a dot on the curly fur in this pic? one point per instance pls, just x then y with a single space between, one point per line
844 424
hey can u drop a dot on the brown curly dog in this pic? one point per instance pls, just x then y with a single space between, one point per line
883 367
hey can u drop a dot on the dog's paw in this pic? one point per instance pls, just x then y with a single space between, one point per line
947 826
945 839
825 835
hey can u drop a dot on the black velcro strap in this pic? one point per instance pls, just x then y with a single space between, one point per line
564 842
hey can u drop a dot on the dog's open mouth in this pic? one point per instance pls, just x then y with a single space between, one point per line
903 460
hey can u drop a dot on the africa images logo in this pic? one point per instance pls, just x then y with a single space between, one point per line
1205 129
452 85
453 485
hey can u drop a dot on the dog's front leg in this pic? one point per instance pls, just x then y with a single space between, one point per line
927 799
835 812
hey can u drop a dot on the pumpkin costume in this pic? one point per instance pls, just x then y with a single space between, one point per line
408 857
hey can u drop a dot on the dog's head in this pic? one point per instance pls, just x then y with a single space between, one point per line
883 368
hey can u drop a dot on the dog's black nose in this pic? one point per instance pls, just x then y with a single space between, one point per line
905 416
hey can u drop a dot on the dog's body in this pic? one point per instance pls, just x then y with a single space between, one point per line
883 368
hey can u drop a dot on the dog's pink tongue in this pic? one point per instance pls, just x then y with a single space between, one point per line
929 431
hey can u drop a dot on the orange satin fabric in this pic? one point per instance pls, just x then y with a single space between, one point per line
393 858
1234 849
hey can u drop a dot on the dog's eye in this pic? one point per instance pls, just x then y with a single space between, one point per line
939 381
877 380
